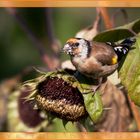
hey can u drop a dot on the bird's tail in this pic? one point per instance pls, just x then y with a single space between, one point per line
128 42
124 47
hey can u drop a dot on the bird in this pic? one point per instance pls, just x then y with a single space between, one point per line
96 59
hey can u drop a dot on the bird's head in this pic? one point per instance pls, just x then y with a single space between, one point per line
77 47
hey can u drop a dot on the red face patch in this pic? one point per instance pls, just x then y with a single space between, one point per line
72 40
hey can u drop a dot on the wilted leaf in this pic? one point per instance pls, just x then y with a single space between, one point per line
88 33
67 65
116 114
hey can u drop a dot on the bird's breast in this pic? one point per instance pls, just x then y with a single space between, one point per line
89 65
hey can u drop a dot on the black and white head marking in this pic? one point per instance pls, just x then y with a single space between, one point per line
84 46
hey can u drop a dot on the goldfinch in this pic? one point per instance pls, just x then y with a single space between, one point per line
95 59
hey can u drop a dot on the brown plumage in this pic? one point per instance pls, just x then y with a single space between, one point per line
98 62
93 59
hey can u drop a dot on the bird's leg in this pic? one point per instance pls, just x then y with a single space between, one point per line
94 89
99 84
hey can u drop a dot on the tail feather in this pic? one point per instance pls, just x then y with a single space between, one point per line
128 42
123 48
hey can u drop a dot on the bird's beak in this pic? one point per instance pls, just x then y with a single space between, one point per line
67 49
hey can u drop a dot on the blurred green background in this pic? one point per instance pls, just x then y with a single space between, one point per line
17 50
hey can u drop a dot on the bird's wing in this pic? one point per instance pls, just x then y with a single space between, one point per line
104 53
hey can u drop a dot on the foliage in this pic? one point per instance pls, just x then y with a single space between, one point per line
129 72
119 33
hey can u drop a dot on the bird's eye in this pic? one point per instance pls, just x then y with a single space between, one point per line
76 44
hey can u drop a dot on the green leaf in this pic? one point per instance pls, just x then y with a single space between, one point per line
92 101
136 27
113 35
130 73
94 106
119 33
